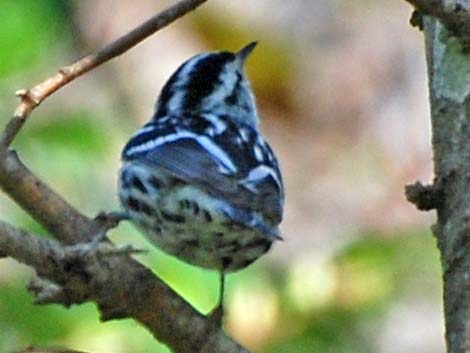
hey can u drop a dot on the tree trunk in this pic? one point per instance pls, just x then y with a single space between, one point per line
449 92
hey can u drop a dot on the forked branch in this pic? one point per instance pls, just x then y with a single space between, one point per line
67 272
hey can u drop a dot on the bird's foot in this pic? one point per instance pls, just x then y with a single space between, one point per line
109 220
99 245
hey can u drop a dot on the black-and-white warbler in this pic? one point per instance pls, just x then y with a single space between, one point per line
199 179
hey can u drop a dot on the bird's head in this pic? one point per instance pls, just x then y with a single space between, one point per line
211 83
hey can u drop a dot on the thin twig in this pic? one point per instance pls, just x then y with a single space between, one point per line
31 98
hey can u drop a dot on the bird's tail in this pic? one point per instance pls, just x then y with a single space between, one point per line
250 220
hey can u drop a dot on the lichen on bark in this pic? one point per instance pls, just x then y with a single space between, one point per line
449 92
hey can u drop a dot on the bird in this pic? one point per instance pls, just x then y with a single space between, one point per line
199 179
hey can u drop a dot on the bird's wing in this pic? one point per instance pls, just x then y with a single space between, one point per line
227 171
186 160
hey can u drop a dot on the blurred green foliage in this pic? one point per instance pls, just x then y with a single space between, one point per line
78 150
340 325
373 274
79 132
27 28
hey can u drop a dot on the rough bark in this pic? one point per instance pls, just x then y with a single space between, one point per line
449 83
449 93
454 14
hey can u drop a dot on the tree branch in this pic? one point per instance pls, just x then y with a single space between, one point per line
454 15
70 274
47 207
31 98
120 286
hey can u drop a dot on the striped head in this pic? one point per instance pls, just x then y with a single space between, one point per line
211 83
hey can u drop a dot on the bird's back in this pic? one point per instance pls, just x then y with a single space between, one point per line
199 179
204 188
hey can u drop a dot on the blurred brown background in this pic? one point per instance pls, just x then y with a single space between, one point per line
341 88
